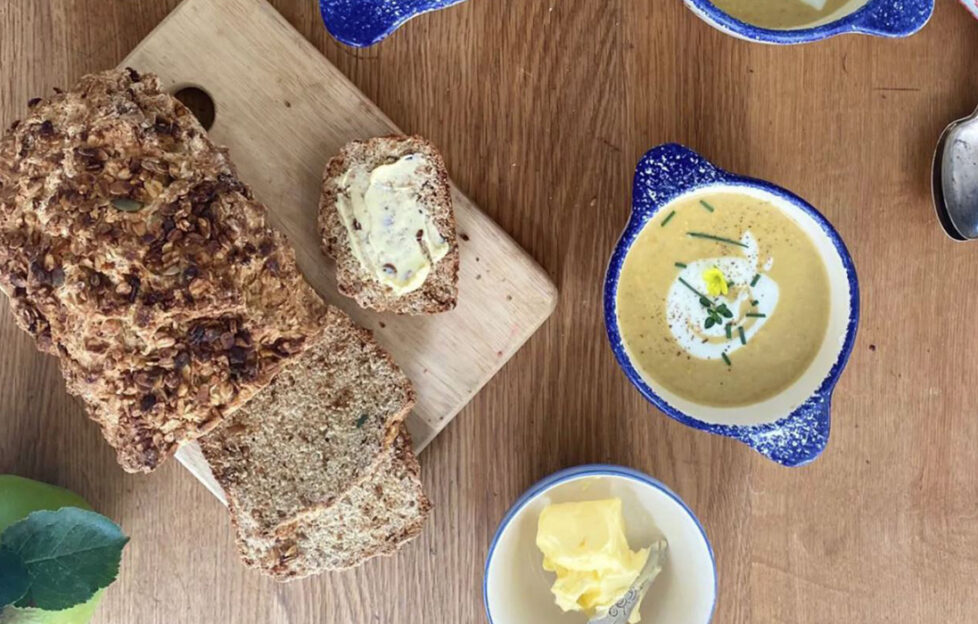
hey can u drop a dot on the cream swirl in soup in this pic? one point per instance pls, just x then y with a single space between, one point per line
684 310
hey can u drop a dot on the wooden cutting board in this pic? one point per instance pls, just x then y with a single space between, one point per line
284 111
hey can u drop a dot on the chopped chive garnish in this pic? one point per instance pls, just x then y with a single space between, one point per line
757 278
729 334
689 286
719 239
726 359
754 302
743 338
680 265
755 315
668 218
707 206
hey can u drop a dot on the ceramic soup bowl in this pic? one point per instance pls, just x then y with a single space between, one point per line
362 23
792 427
516 588
881 18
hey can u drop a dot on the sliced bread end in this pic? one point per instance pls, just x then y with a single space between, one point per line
376 518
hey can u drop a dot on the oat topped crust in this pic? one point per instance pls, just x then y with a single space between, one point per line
130 249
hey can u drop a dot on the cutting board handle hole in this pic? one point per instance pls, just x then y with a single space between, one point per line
200 103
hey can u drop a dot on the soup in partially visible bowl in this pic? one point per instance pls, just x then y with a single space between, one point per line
783 14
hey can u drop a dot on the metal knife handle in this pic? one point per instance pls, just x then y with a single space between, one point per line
619 612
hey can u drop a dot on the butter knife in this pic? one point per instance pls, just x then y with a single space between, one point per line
619 612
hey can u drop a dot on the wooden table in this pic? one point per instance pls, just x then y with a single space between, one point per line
552 103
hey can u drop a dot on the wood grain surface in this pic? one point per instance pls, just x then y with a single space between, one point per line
542 108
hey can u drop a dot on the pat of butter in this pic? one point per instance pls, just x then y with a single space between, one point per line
585 544
391 233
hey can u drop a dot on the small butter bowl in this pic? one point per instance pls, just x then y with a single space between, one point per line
516 588
879 18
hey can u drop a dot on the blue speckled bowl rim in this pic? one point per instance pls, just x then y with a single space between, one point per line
815 411
366 35
577 472
915 15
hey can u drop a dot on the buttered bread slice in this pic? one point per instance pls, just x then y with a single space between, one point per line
386 218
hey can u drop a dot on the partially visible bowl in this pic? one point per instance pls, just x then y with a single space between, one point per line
516 589
362 23
880 18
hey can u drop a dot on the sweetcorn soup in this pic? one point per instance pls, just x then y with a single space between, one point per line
723 299
781 14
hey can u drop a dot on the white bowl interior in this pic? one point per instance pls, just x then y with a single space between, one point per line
518 589
786 402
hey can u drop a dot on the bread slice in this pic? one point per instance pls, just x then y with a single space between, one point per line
315 432
377 517
439 291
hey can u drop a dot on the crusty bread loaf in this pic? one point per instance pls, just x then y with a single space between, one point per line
439 292
377 517
315 432
130 249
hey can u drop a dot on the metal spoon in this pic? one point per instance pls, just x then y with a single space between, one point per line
622 610
955 179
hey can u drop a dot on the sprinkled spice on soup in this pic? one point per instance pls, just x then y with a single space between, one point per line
723 299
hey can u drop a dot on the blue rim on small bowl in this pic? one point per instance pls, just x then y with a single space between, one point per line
664 174
880 18
578 472
362 23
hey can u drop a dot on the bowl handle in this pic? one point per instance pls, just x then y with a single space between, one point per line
799 439
884 19
667 171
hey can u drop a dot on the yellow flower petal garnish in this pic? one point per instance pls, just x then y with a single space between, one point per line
716 282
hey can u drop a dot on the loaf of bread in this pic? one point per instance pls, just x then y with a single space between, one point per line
317 469
130 249
386 217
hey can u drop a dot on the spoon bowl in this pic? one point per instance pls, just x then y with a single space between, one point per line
954 181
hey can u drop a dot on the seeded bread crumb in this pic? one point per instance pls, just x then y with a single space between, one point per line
375 518
439 293
315 432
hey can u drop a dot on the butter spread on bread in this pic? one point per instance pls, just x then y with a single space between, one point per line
391 233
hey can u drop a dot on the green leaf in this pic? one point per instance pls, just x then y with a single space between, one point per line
14 580
710 322
69 554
